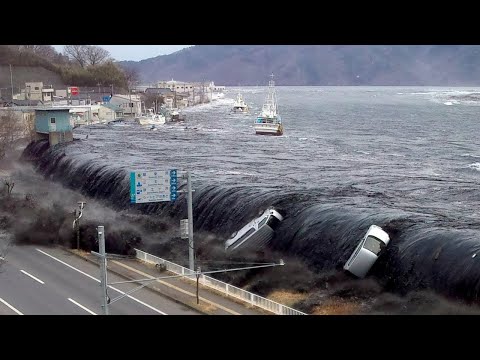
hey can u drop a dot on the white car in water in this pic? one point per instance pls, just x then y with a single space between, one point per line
367 251
257 233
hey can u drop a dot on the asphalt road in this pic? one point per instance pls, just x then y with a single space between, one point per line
38 280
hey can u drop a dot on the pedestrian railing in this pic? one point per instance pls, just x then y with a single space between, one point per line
226 289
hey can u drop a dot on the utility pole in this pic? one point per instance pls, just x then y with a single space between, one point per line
130 104
191 249
76 222
11 80
103 267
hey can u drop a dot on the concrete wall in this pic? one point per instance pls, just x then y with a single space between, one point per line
60 137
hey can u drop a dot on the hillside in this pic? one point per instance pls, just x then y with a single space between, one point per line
82 65
237 65
23 74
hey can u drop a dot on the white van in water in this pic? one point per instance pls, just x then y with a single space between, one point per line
257 233
367 251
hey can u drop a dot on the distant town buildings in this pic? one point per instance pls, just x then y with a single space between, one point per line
178 94
55 112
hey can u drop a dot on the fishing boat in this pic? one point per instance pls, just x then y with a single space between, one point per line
150 118
239 106
269 122
176 116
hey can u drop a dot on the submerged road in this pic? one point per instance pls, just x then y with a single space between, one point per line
37 280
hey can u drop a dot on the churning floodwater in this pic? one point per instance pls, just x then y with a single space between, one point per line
406 159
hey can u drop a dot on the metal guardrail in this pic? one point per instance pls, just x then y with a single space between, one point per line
221 286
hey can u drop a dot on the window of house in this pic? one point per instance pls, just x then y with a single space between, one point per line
36 88
52 120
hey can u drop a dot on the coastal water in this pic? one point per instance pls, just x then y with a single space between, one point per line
406 159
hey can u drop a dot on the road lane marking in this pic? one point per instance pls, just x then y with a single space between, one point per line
10 306
33 277
97 280
177 288
81 306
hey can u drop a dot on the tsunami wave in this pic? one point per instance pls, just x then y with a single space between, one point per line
425 251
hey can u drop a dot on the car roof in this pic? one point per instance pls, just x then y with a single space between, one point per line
379 233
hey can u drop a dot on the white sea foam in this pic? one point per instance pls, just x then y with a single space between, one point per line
470 155
474 166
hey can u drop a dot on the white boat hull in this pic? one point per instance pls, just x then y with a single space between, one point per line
150 121
268 129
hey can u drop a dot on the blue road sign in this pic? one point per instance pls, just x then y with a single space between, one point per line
153 186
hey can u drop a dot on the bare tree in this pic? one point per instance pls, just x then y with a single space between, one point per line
29 132
132 76
96 55
11 130
46 51
77 53
152 100
32 48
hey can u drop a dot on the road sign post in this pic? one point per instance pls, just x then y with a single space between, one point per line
153 186
162 185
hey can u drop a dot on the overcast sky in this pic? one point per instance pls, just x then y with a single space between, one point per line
136 52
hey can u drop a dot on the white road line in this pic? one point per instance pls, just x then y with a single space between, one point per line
81 306
10 306
33 277
97 280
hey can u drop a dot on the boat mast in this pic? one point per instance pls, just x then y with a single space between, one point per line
274 96
272 99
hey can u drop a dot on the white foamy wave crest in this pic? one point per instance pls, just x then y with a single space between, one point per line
231 172
208 106
448 103
470 155
253 90
474 166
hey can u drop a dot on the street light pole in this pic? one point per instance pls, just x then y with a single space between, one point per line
103 267
191 249
199 271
